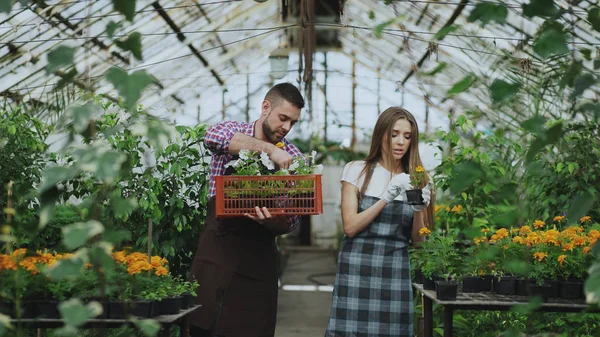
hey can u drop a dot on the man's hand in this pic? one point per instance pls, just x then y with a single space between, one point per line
277 224
281 158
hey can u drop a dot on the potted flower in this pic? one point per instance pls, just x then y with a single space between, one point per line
418 180
441 259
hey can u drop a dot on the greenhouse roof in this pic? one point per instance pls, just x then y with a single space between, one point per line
211 58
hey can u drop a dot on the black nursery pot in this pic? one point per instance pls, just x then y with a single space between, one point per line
415 197
571 290
542 290
471 284
428 283
170 306
446 290
418 276
485 283
47 309
522 288
506 285
186 301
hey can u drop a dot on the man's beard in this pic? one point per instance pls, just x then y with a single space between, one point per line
269 133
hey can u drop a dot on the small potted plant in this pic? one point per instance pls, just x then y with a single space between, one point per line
446 289
418 179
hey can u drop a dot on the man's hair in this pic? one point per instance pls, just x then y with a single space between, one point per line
287 92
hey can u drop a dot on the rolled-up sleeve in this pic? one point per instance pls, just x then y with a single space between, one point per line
218 136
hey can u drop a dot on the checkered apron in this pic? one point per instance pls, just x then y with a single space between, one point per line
372 294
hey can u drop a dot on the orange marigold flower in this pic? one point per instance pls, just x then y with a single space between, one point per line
519 240
568 247
424 231
525 230
561 259
586 218
538 224
19 252
161 271
539 256
558 218
586 250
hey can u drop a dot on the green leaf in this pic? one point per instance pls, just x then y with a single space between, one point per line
594 17
592 284
590 107
104 163
582 83
580 205
82 116
130 87
65 79
75 313
461 85
549 137
125 7
133 43
541 8
464 175
502 91
560 167
66 269
441 34
437 69
116 236
552 40
535 124
485 12
587 53
61 56
380 27
568 80
55 174
78 234
148 327
7 5
122 206
111 28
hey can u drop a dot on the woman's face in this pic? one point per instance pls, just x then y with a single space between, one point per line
400 142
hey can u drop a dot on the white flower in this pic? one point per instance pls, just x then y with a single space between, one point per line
284 171
313 155
244 154
234 163
294 165
268 163
318 169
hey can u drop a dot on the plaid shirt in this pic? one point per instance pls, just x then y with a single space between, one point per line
217 140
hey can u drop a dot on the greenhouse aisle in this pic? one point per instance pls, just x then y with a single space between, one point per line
305 293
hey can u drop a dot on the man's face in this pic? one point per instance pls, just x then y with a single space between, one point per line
278 120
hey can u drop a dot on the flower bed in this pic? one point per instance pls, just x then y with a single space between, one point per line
134 285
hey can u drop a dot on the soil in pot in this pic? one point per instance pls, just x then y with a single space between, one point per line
415 197
446 290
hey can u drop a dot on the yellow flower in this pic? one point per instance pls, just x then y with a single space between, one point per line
561 259
558 218
485 230
424 231
457 208
586 218
518 239
524 230
586 250
538 224
161 271
280 145
420 169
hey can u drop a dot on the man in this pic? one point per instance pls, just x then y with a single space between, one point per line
236 261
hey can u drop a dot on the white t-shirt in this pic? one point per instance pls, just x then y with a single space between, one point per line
379 181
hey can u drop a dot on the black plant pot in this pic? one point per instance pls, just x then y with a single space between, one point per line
522 287
470 284
141 308
186 301
47 309
446 290
428 283
102 302
485 283
542 290
571 290
506 285
415 197
170 306
116 310
554 288
28 309
418 276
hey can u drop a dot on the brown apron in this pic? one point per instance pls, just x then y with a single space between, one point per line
235 265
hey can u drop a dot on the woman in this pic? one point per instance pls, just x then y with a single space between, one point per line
372 293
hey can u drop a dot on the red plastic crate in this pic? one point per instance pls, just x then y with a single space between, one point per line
282 195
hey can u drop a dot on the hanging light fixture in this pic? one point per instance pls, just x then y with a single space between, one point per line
279 62
260 1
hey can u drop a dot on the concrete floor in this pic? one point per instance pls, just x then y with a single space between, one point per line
304 313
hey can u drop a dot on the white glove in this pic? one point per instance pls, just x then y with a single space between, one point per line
397 185
426 193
